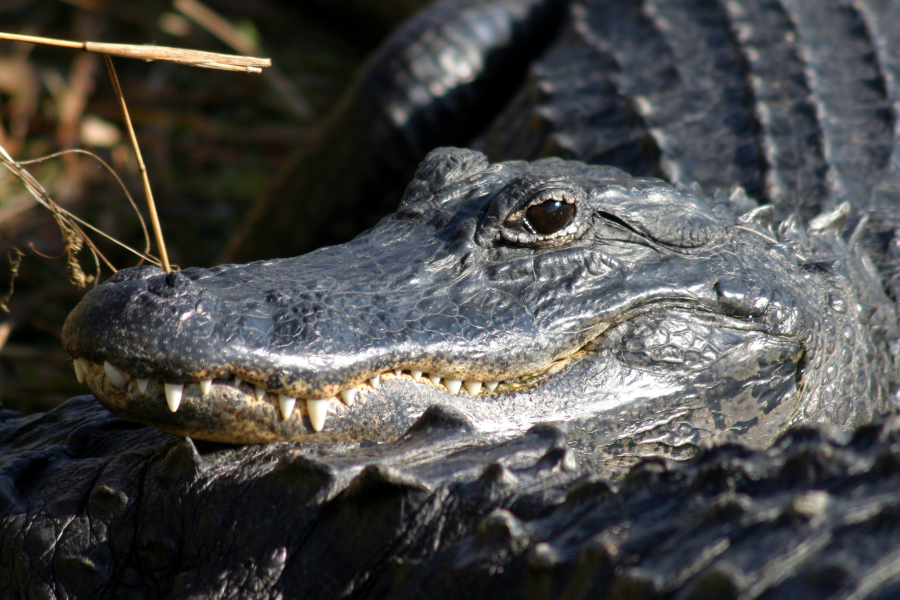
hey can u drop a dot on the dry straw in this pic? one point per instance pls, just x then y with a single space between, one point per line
194 58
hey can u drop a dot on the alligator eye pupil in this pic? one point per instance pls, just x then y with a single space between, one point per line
551 216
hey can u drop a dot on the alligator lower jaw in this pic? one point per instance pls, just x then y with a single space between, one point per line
226 401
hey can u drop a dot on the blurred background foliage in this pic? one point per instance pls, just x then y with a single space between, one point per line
212 141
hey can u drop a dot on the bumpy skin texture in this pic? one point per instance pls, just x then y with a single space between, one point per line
94 507
791 99
813 517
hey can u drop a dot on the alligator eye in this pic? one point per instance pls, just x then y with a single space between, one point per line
549 217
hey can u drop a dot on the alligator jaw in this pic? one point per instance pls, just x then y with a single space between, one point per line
252 414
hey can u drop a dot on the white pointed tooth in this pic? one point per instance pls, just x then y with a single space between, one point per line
85 367
237 381
115 376
416 375
491 385
318 410
453 385
348 396
398 372
259 392
473 387
286 404
435 379
142 385
79 374
205 385
375 381
173 395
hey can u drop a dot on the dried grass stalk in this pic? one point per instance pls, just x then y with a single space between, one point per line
194 58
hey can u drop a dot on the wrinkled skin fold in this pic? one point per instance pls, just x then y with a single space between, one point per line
646 317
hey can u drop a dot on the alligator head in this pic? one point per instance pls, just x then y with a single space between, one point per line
644 316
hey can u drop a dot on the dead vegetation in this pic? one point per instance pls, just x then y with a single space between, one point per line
212 142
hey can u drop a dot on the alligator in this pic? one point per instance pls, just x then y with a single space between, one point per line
441 394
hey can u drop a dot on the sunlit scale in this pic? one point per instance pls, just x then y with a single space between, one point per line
316 408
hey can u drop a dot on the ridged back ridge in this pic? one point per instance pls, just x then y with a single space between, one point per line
849 92
882 19
788 125
696 105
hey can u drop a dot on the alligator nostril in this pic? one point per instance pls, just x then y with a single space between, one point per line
172 285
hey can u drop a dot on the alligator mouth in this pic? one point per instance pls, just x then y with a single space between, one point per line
121 391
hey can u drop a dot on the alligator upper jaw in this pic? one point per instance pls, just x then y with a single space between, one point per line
155 349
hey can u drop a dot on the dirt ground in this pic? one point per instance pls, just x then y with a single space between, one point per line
212 142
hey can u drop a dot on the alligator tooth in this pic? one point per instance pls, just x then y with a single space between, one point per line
142 385
375 381
115 376
473 387
237 381
205 384
259 392
348 396
453 385
416 375
491 385
85 366
318 410
173 395
286 404
398 372
79 372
